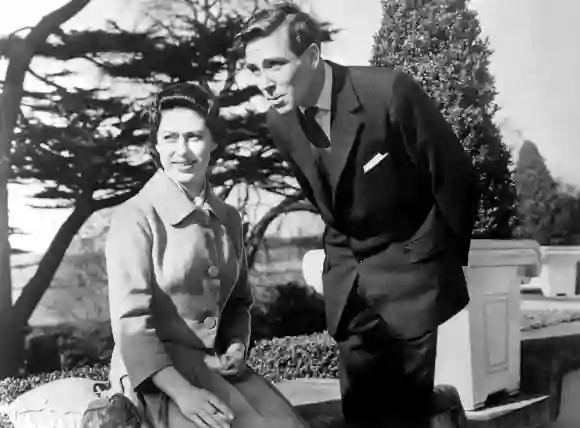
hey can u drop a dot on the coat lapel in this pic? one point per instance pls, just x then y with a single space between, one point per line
346 120
301 152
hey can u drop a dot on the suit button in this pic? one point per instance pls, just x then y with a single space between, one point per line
213 271
210 322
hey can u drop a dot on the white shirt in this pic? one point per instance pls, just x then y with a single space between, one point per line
324 102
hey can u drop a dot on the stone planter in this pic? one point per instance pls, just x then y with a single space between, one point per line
478 350
559 270
312 262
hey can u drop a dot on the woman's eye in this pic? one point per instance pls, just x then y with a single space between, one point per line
170 137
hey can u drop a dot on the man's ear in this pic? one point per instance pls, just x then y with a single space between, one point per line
314 53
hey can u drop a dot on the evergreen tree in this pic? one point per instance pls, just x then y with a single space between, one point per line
440 44
544 214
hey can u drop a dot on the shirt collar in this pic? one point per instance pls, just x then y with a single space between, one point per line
324 101
173 202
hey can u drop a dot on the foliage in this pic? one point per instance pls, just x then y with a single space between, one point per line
440 44
197 47
295 357
68 144
544 214
533 320
287 310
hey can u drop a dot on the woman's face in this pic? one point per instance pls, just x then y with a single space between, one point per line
184 144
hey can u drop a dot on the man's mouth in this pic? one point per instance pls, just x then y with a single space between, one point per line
277 101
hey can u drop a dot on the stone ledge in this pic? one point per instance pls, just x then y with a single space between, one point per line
318 401
545 362
521 411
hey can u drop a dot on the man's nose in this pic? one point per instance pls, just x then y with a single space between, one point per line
267 86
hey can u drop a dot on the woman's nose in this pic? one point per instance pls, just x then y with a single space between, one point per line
182 146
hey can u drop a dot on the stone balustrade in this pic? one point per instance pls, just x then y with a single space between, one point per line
478 349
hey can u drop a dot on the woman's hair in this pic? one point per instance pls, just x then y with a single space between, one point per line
186 95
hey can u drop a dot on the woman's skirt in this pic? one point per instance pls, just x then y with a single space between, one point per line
254 401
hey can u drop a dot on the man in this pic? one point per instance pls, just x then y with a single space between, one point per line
398 195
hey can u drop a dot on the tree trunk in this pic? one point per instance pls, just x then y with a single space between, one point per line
256 236
36 287
9 110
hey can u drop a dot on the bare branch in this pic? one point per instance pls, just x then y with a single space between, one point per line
47 81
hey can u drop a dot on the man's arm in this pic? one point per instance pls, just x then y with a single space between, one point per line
435 148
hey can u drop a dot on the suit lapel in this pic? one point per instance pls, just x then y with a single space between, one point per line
301 152
346 120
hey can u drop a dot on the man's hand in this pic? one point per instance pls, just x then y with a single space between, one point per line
233 362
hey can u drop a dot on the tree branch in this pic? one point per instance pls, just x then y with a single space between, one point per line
10 99
290 204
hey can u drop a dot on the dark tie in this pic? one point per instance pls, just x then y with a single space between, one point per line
313 130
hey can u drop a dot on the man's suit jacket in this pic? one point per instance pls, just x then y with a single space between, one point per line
401 229
177 281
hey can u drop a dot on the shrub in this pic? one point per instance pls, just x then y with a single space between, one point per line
440 44
314 356
289 309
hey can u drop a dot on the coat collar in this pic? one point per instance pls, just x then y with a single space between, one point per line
346 120
173 204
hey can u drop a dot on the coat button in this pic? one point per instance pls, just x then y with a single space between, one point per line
210 322
213 271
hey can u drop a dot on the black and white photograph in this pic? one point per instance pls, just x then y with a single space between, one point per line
289 214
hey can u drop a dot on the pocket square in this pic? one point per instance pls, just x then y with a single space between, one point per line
374 161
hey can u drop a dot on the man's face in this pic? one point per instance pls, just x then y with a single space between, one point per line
281 76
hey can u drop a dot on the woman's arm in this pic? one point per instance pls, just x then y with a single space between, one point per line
235 326
130 276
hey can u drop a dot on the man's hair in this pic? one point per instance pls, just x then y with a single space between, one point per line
303 29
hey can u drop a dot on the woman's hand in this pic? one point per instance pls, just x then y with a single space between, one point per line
203 408
233 361
197 405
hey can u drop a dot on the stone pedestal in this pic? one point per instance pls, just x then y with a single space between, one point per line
312 263
478 350
559 270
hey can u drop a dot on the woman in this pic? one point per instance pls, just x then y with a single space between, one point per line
178 286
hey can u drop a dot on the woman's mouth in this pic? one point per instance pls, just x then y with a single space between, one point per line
184 166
